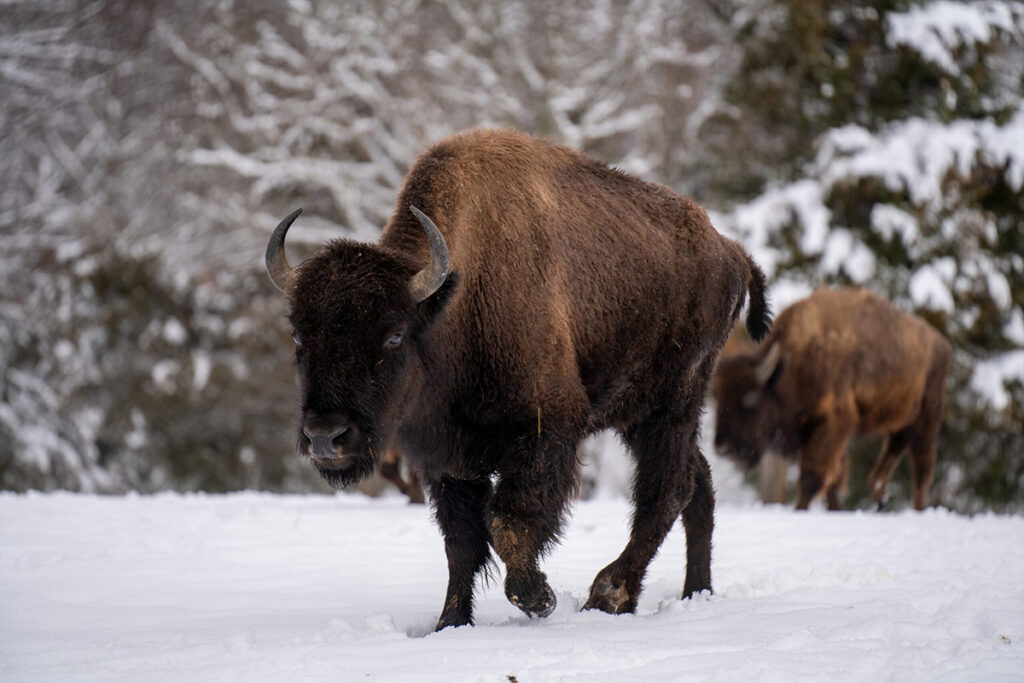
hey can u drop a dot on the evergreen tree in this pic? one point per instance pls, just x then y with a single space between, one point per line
890 154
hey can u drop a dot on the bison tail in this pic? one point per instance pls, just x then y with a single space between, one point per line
759 315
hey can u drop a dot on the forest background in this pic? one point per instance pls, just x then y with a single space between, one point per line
149 149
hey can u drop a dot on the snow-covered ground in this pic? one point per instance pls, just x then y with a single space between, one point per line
343 588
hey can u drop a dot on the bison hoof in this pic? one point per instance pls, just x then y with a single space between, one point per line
539 602
456 612
452 620
607 597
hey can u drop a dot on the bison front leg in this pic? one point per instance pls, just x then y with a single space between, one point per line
527 512
922 468
460 509
836 489
822 458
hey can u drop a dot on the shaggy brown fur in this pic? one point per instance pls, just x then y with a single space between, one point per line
580 298
837 363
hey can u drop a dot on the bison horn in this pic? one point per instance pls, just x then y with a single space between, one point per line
281 274
766 368
428 280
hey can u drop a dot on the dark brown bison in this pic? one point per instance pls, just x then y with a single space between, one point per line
837 363
558 297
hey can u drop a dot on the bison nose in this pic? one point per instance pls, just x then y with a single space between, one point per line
326 441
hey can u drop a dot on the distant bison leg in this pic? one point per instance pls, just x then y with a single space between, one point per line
892 450
414 488
836 489
668 477
822 457
808 486
390 469
460 508
923 454
924 432
526 516
922 470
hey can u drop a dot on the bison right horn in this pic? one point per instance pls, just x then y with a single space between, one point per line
430 279
281 274
766 368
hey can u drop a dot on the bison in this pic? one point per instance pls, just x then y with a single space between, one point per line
837 363
521 297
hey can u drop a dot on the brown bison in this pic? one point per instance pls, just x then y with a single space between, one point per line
837 363
558 297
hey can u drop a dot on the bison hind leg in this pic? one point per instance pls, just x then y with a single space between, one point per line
672 478
890 454
699 522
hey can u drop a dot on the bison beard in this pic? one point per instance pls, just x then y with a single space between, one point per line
554 297
339 477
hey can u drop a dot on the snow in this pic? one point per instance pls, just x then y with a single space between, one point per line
889 221
939 30
260 587
844 253
999 289
785 292
991 374
928 286
202 366
1014 328
756 221
164 372
916 155
174 331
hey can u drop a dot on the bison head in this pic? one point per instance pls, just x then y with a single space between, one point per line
746 405
358 312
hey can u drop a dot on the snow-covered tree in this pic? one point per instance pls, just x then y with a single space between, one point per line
899 166
126 361
332 103
151 147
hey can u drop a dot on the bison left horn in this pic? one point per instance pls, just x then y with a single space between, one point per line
766 368
281 274
430 279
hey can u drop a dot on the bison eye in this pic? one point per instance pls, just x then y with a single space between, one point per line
296 338
395 339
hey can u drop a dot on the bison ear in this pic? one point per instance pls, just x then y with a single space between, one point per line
430 309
